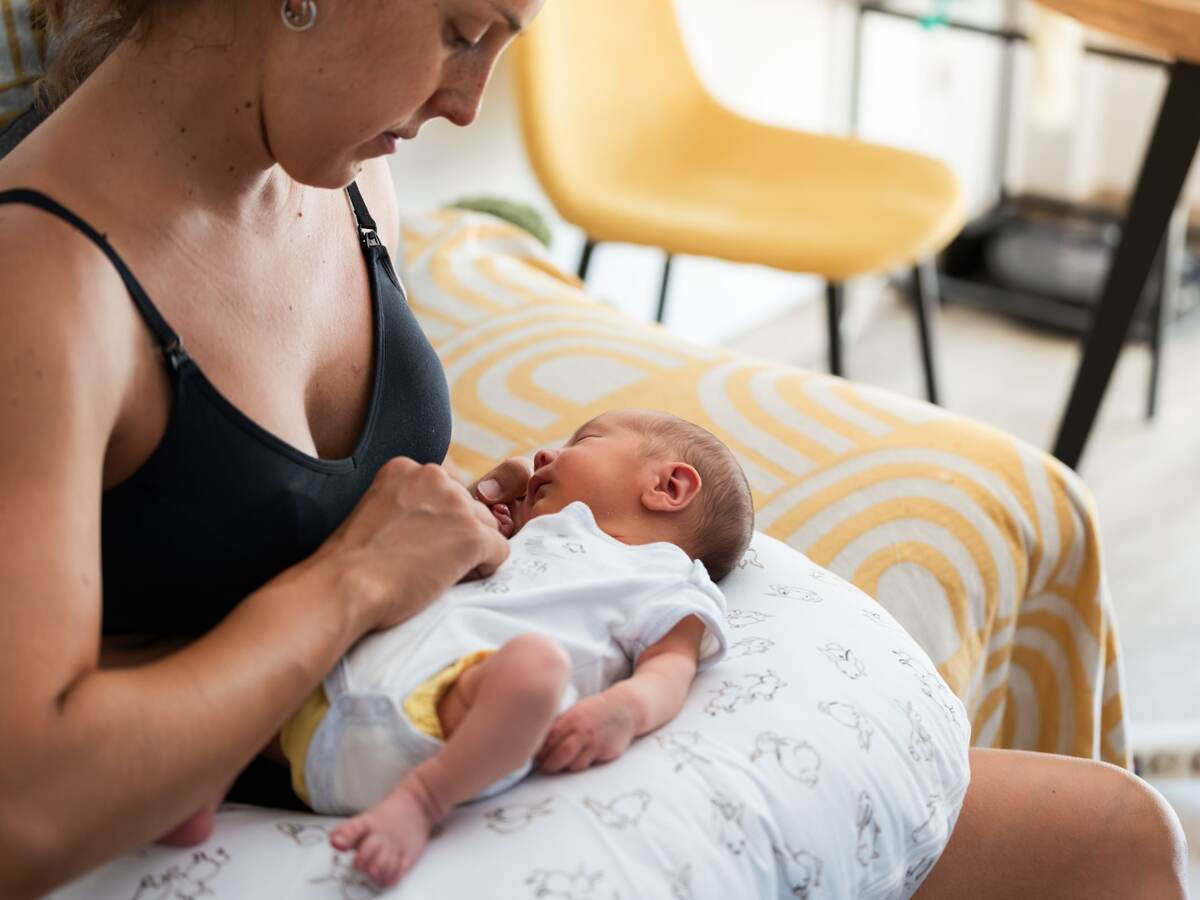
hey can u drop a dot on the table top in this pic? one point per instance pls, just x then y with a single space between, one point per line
995 15
1168 26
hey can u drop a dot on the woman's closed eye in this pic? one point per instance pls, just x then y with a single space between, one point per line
456 40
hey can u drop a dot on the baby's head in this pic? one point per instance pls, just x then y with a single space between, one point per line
649 476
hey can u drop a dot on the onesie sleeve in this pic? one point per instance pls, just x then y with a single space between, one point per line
695 595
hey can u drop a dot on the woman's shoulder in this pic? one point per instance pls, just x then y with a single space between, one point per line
46 259
61 301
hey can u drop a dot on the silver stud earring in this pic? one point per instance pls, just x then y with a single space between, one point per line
299 21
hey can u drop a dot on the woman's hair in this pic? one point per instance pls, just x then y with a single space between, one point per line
81 33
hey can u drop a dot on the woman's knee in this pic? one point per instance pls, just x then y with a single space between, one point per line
1153 837
1059 827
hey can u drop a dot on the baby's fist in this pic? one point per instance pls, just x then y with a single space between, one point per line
596 729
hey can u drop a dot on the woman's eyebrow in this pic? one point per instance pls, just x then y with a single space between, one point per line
514 25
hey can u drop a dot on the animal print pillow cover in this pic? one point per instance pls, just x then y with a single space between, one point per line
822 758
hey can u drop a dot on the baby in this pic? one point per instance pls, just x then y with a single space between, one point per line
587 636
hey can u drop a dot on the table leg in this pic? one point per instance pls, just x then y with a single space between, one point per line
1172 148
1172 257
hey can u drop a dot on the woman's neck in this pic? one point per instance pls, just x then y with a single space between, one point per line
181 111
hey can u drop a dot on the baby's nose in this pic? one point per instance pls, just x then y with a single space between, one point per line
544 458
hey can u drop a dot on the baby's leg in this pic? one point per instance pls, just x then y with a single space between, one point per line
509 702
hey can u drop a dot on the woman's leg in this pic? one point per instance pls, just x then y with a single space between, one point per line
1036 825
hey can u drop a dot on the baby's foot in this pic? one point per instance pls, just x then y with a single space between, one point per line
391 835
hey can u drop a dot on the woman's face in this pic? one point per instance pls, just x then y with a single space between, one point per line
371 72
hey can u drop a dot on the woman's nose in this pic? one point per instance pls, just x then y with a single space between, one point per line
462 90
544 458
456 108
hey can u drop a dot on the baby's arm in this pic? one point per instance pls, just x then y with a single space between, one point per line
599 728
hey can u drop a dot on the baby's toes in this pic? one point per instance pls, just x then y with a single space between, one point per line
389 867
370 853
347 835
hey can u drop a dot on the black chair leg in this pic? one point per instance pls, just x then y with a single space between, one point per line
926 299
662 291
835 299
585 259
1163 174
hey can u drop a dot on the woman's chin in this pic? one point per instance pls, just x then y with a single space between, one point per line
334 175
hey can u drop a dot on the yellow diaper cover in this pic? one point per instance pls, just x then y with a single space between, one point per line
420 706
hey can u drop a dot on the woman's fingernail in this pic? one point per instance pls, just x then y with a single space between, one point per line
489 489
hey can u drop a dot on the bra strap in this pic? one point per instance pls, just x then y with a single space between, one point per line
168 340
367 231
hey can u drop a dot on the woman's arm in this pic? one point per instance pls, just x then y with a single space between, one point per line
601 727
95 761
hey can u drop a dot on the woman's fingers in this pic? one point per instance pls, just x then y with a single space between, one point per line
455 472
414 533
504 483
496 549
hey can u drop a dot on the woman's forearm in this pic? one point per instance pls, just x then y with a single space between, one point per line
125 754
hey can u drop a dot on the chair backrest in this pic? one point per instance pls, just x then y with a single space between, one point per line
598 81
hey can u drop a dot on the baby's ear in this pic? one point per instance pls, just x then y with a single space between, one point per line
675 486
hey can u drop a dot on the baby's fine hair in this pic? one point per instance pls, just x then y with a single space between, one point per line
724 519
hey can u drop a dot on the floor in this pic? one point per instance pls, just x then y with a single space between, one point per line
1145 477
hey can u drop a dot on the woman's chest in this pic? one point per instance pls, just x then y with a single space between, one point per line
286 333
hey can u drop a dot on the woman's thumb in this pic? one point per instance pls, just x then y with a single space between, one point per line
506 482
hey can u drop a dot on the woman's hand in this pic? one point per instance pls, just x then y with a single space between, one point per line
598 728
413 534
501 490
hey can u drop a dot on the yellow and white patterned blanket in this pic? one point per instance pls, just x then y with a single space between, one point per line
985 548
22 50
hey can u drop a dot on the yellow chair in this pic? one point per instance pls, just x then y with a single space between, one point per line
630 146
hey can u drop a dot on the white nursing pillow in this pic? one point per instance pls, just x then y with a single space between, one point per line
823 758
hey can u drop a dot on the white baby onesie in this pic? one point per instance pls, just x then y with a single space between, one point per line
602 600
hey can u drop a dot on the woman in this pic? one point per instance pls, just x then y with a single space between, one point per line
213 374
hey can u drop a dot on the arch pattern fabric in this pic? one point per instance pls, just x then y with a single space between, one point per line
985 548
22 50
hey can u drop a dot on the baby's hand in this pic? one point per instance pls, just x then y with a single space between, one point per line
596 729
504 519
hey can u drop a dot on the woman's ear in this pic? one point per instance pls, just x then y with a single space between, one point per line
675 486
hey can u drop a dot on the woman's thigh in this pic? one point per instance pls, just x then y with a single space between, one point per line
1036 825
